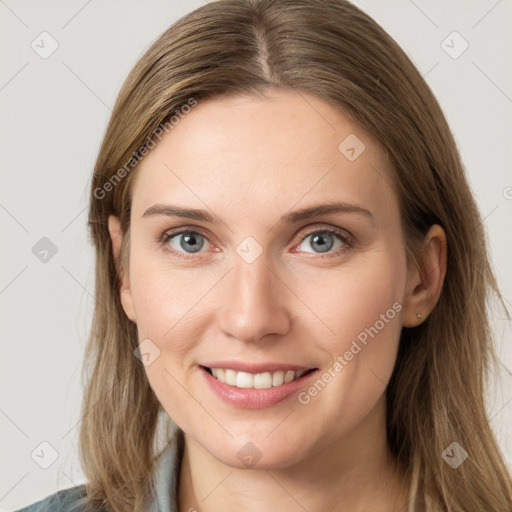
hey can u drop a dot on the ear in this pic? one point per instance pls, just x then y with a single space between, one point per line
425 280
125 294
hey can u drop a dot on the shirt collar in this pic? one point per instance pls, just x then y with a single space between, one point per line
166 475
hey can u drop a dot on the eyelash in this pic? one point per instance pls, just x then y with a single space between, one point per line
342 235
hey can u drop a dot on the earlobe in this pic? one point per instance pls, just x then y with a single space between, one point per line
125 294
425 281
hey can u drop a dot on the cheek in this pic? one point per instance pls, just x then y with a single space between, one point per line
170 306
361 306
353 297
166 299
168 310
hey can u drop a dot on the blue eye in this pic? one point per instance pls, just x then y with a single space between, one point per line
329 241
189 241
324 240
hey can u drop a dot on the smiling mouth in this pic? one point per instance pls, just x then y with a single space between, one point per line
264 380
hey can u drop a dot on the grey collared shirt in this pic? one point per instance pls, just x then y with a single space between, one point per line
166 486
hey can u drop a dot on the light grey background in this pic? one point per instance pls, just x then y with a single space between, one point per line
53 115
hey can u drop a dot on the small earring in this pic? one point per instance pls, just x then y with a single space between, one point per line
419 316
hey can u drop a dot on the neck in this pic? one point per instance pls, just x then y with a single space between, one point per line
354 473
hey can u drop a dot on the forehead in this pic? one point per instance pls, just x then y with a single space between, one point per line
254 153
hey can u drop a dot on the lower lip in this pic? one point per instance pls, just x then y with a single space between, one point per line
254 398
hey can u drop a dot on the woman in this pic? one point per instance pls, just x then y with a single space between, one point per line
291 266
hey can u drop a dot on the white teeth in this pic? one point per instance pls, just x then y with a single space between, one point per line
244 380
277 378
230 377
263 380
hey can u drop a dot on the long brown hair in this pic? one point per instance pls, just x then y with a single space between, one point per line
334 51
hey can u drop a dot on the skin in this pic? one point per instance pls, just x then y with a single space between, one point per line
251 160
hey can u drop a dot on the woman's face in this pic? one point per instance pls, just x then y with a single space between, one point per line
257 276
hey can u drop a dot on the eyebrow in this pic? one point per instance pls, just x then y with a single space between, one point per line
170 210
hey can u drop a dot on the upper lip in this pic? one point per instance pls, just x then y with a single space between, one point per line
240 366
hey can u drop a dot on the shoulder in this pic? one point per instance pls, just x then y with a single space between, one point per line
67 500
165 480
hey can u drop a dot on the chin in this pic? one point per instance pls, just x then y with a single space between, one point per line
256 452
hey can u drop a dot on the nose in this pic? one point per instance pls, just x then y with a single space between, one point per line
253 304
